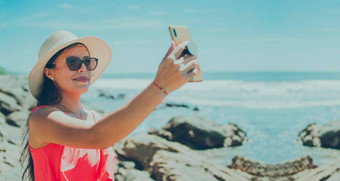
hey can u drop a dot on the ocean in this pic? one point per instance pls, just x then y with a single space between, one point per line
271 107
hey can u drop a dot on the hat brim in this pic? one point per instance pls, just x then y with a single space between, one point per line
97 48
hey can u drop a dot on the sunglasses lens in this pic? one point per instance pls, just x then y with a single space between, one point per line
73 63
91 63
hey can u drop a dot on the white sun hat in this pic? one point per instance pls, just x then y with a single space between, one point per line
59 40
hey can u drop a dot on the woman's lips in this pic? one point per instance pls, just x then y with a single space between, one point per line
81 79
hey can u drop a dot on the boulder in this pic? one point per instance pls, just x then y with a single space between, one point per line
276 171
8 104
142 148
327 135
188 166
234 136
17 119
181 106
167 160
103 93
198 133
326 172
127 172
176 105
17 87
161 133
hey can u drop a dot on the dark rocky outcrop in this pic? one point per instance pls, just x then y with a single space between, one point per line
167 160
327 135
102 93
15 104
168 104
198 133
272 171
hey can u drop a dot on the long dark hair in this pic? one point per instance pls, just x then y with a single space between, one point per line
49 95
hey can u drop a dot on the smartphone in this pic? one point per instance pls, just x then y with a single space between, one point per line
180 34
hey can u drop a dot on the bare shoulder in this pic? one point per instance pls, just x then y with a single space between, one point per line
41 114
37 123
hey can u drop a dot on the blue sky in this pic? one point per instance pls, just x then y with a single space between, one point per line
253 35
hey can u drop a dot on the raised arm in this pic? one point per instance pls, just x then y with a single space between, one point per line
52 126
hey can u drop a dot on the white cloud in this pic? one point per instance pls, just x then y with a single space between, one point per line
133 7
65 6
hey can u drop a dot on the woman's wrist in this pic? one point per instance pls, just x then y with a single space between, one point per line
160 88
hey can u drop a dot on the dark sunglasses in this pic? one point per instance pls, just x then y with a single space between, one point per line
74 63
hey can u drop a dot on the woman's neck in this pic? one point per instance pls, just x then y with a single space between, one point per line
71 102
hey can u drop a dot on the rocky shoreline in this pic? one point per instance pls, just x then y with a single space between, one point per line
171 153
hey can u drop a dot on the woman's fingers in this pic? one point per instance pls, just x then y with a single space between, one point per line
188 67
175 68
178 51
170 50
189 58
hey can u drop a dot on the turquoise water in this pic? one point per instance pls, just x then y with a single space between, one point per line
271 107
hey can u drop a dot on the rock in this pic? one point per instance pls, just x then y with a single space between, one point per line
176 105
121 96
2 127
161 133
127 172
335 176
330 135
16 87
234 136
326 172
167 160
196 109
272 171
8 104
132 175
195 132
17 119
310 134
102 94
14 95
301 169
105 94
327 135
188 166
2 140
141 148
198 133
167 104
2 119
127 164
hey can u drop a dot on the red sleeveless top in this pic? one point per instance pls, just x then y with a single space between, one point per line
57 162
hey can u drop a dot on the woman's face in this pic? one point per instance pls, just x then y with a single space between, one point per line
71 82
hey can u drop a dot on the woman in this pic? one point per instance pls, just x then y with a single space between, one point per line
69 142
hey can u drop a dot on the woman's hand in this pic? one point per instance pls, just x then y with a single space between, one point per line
175 70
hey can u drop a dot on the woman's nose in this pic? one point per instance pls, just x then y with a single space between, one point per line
82 68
